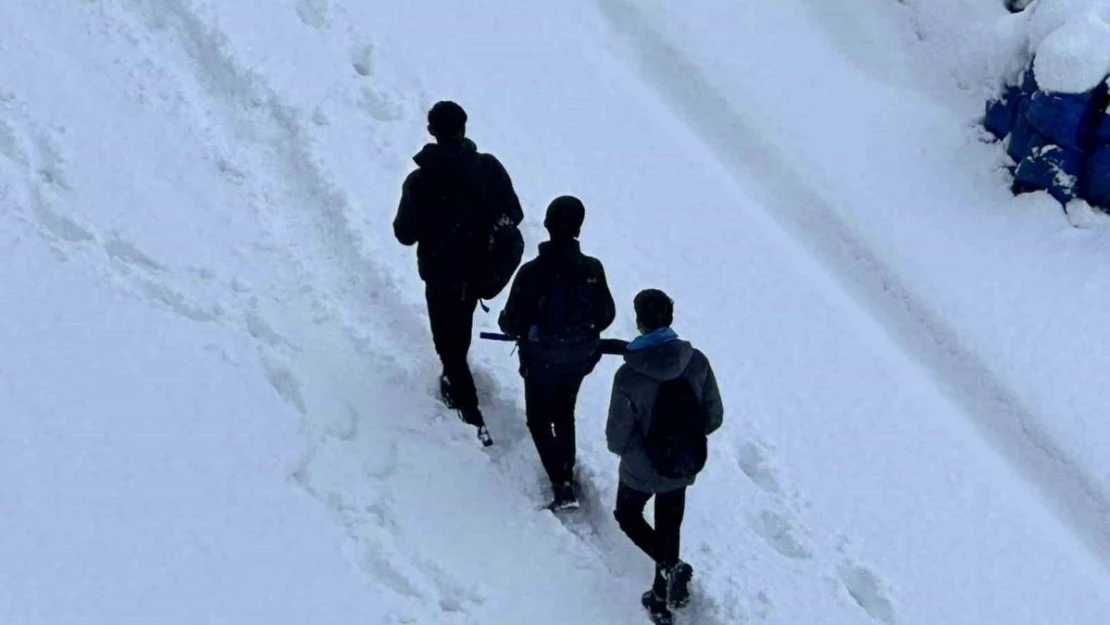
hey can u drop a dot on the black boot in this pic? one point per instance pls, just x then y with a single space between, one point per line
657 608
565 499
678 578
483 435
473 416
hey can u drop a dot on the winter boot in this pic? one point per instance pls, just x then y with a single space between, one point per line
657 608
678 578
565 498
483 435
473 416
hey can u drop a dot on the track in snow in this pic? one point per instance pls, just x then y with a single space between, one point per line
813 219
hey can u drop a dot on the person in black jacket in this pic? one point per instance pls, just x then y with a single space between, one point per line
449 206
558 306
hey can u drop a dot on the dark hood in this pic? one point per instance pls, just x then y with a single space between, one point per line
661 362
441 156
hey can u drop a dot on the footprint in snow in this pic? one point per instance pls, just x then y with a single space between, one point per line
780 534
315 13
56 225
287 386
380 105
383 567
51 171
866 590
384 464
752 460
261 330
453 595
11 146
36 150
125 252
159 293
346 429
362 59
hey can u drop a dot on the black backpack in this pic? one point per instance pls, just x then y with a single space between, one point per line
486 247
676 442
499 259
564 342
567 311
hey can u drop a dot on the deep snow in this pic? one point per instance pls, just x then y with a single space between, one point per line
218 383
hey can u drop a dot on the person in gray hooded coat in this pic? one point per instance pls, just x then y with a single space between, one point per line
655 356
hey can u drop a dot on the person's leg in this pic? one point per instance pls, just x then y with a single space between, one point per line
563 405
670 508
630 517
672 574
538 403
452 321
462 380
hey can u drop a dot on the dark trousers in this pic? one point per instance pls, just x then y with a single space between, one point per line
451 312
549 405
660 543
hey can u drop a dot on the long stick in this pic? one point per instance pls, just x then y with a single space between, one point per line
613 347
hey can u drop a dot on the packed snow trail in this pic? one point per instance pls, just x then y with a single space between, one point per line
219 181
813 215
775 526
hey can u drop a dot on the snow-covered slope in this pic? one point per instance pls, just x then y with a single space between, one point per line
996 297
216 380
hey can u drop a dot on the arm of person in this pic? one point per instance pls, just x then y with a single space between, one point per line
711 401
515 318
406 225
620 428
606 307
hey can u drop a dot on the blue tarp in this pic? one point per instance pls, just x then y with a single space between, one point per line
1101 125
1023 136
1060 142
1096 179
999 118
1052 168
1062 117
1029 80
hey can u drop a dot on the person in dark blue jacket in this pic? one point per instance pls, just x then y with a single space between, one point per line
557 309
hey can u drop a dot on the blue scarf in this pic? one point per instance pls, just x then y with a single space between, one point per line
652 339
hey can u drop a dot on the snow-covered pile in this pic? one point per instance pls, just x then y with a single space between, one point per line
1051 99
1070 42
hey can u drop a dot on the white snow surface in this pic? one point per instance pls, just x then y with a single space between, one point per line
217 383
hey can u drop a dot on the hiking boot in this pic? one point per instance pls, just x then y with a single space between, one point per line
445 394
678 578
473 416
657 608
565 498
483 435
